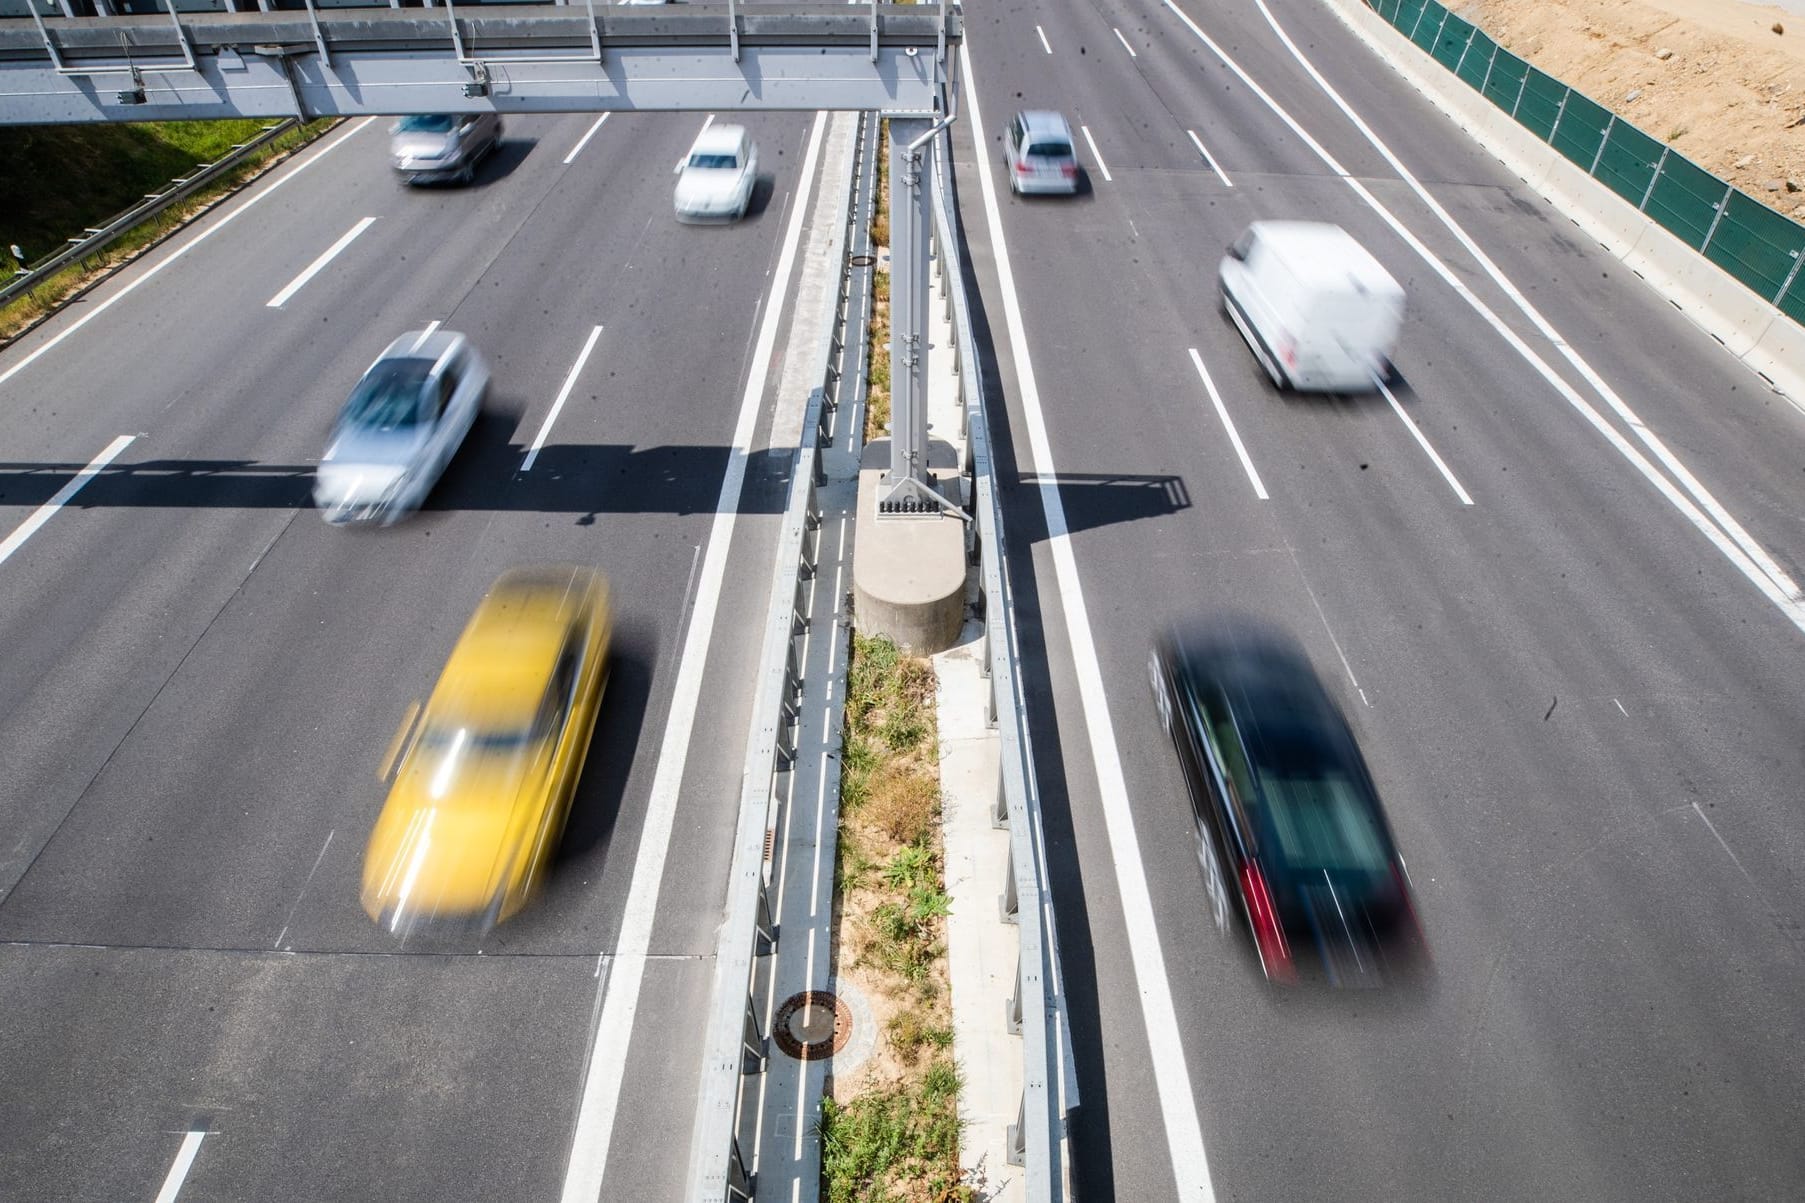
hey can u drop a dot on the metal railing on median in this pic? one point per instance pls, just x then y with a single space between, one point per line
735 1044
1037 1009
1761 248
178 190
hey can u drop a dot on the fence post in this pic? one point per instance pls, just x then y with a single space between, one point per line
1460 62
1522 87
1654 179
1493 62
1419 20
1560 111
1602 143
1722 207
1785 284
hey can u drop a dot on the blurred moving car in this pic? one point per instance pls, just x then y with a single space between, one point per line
1315 306
485 774
715 180
442 146
400 427
1037 148
1289 822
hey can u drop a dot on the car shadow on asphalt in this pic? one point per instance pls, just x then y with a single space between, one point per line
597 802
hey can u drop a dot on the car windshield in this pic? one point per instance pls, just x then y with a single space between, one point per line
391 396
714 162
429 123
1046 149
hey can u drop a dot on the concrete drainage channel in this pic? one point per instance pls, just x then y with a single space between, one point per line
780 1024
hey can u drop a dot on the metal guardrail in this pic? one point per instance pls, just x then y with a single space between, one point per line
1037 1009
144 210
735 1044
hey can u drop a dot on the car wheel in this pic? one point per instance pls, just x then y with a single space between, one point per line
1161 700
468 175
1213 882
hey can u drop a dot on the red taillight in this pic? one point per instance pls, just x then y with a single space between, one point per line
1408 904
1268 932
1070 170
1022 168
1288 353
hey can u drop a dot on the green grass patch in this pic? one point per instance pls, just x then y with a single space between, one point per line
895 1145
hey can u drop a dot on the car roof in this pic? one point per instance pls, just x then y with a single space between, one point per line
718 138
1044 121
1322 252
501 663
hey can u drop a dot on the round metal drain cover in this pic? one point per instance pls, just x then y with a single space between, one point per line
812 1025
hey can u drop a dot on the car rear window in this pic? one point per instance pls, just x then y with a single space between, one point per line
1045 148
392 395
1322 822
714 162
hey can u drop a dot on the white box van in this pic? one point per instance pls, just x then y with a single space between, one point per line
1315 306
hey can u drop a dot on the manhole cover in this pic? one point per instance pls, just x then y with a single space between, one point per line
812 1025
862 260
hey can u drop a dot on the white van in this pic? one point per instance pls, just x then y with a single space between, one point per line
1315 306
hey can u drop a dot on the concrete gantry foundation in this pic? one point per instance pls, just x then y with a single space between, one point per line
908 574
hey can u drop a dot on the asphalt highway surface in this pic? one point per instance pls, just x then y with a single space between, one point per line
1577 683
202 678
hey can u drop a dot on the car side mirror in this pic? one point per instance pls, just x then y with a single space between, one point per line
678 169
401 744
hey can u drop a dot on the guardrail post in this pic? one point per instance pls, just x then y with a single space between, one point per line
740 1183
1010 902
767 929
1017 1147
752 1043
999 808
1660 164
1722 207
1012 1010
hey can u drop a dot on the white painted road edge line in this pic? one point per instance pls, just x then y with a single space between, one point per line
1209 158
1096 154
313 269
584 141
1228 424
1649 439
1172 1077
178 1172
41 515
570 382
1424 444
1125 45
205 234
607 1063
1774 589
1043 39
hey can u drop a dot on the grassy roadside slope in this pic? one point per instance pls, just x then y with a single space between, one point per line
58 180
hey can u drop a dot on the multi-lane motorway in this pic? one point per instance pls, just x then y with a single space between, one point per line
1549 577
201 677
1583 712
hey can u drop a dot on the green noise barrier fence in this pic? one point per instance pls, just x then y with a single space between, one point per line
1761 248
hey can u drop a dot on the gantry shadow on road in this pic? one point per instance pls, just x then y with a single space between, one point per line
598 479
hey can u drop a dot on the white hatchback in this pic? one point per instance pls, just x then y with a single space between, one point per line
400 427
715 180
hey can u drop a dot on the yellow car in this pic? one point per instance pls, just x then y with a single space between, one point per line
487 771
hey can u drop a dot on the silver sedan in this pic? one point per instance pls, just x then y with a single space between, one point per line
716 179
402 424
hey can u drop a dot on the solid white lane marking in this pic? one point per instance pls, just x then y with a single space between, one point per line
1228 424
205 234
1422 442
313 269
570 382
178 1172
286 923
1043 38
1209 158
584 140
425 334
1712 828
60 498
607 1062
1774 588
706 122
1648 438
1171 1075
1125 45
1095 153
1620 708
